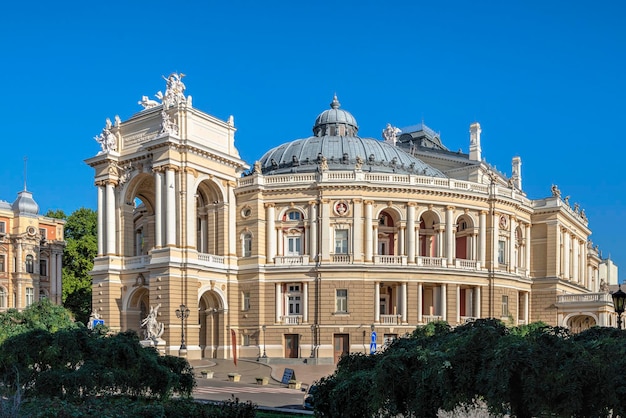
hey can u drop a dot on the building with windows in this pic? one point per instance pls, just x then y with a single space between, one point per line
326 240
31 253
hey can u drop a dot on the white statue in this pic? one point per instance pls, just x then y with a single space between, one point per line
153 328
147 103
167 124
107 139
94 315
174 91
390 133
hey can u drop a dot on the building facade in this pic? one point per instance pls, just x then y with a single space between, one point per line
31 254
325 241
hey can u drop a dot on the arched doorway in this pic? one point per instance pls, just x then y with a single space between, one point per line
137 308
580 323
211 321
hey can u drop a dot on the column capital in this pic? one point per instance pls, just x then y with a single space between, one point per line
484 212
450 207
411 204
357 200
313 203
368 202
100 183
269 205
324 200
191 170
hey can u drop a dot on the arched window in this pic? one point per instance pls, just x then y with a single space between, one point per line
247 245
29 264
294 215
3 298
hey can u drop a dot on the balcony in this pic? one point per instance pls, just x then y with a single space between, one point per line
211 259
398 260
593 298
466 264
390 319
431 318
292 260
341 258
431 262
292 319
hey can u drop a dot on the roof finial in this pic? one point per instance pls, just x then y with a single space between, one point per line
335 104
25 160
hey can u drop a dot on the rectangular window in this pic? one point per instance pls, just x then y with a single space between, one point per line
2 261
501 252
43 232
294 245
247 245
294 299
246 301
3 227
43 267
246 339
30 296
341 301
341 241
505 306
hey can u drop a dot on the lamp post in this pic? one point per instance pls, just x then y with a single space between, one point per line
182 313
264 353
619 298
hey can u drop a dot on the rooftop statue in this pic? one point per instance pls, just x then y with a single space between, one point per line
555 191
174 91
107 139
390 133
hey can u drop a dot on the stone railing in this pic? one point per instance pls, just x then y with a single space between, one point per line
585 297
292 260
211 258
292 319
431 262
431 318
390 319
399 260
466 264
341 258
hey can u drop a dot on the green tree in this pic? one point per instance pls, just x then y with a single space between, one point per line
81 248
43 315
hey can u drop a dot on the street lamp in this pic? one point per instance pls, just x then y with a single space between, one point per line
264 353
182 313
619 298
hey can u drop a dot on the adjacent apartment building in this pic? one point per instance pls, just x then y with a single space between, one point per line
327 243
31 254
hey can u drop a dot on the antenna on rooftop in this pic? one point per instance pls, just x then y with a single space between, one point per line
25 161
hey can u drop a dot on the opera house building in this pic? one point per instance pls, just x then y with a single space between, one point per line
325 241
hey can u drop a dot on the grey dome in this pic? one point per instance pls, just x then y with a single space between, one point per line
5 205
334 118
336 140
25 205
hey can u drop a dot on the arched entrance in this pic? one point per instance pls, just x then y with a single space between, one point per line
580 323
211 321
137 309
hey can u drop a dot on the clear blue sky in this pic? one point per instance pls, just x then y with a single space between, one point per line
546 81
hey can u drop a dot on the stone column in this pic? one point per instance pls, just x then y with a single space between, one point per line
410 226
420 302
512 257
368 231
158 209
526 306
482 238
100 215
305 302
325 233
449 235
527 244
575 258
357 228
279 302
404 303
375 239
376 302
233 239
110 218
270 233
313 230
444 302
477 304
190 212
458 304
280 239
170 207
566 254
496 239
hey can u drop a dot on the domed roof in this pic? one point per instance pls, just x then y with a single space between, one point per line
334 116
25 205
336 145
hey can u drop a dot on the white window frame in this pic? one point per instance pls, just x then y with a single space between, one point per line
3 227
30 296
294 215
341 300
505 306
3 298
3 261
294 299
501 251
245 304
29 264
293 244
246 245
341 242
